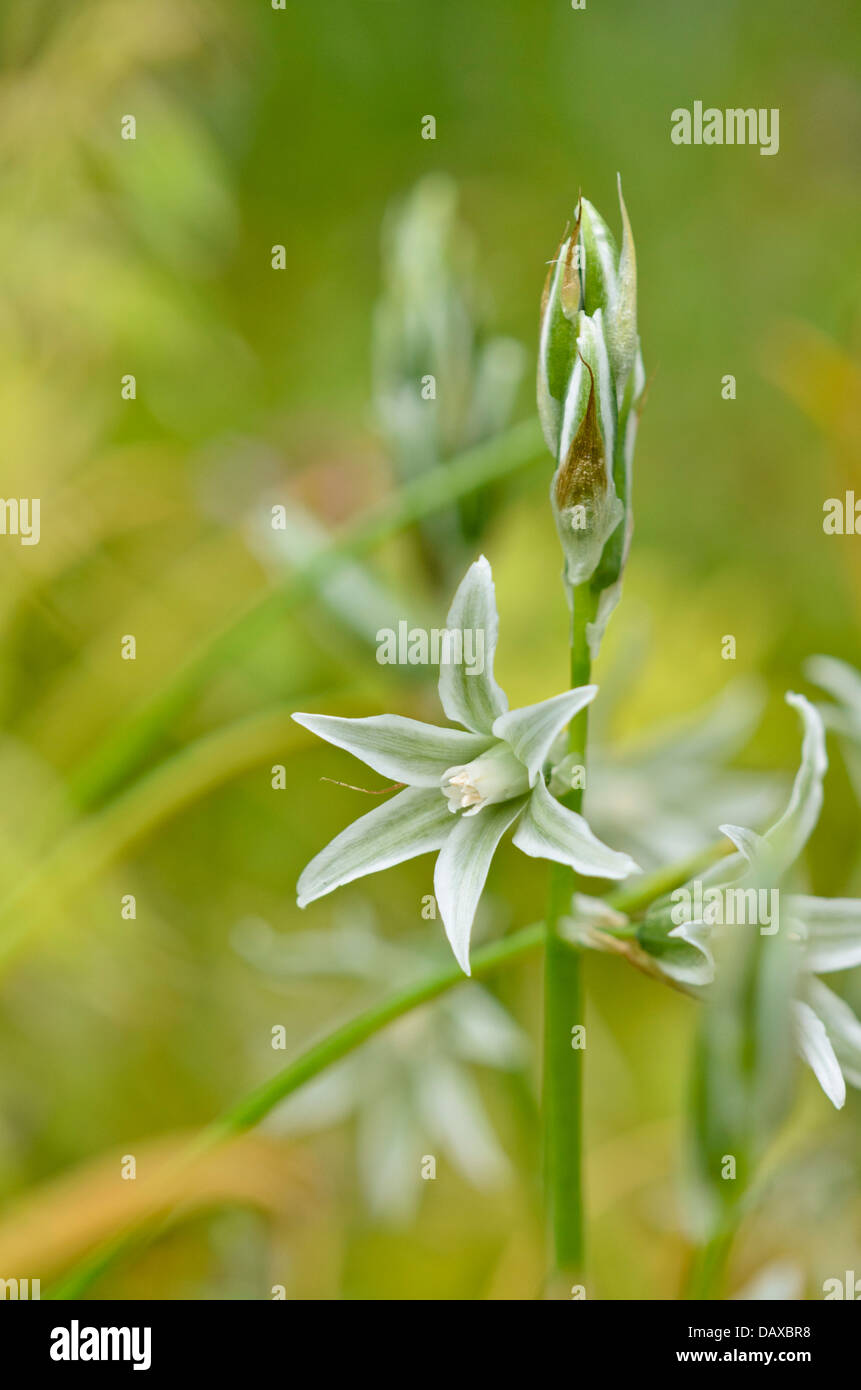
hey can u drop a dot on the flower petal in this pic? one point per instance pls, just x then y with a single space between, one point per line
413 822
747 842
812 1042
473 700
790 834
548 830
833 931
837 677
530 731
842 1026
461 870
687 956
682 950
404 749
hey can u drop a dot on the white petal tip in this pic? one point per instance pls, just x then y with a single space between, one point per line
627 868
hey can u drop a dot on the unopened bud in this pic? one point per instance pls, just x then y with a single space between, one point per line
557 351
583 495
590 391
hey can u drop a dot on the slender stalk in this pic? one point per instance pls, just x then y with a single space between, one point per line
708 1267
563 1011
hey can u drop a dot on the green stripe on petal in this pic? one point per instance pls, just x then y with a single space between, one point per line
404 749
461 870
548 830
473 700
530 731
413 822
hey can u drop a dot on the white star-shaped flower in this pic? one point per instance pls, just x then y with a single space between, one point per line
463 788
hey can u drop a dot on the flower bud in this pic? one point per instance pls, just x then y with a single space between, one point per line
591 385
610 284
583 494
557 352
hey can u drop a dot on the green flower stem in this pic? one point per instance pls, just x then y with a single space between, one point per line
630 899
708 1268
128 746
563 1010
254 1107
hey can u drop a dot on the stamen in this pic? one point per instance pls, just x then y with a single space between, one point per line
367 790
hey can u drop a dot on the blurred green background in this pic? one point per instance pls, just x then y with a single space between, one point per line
256 387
